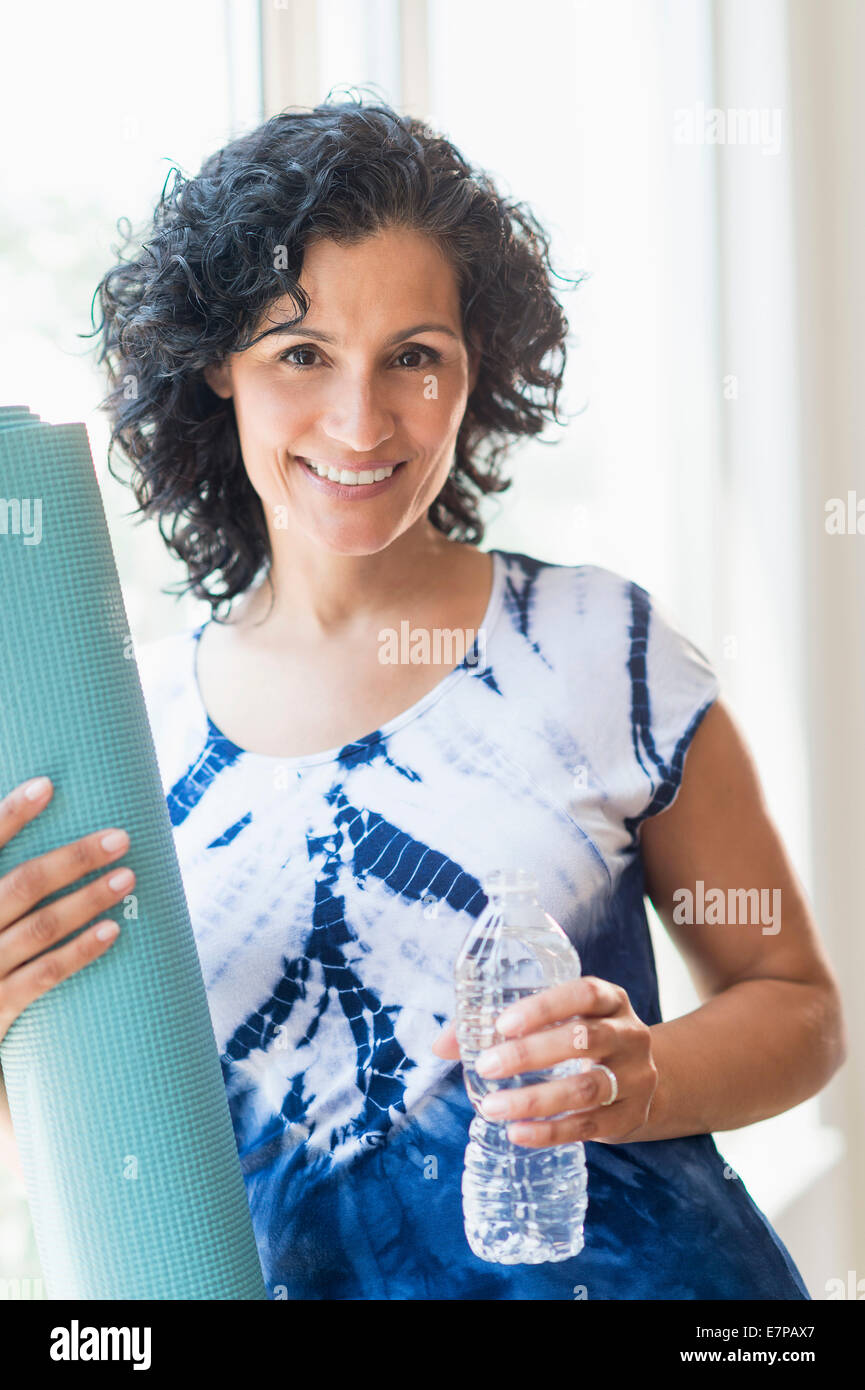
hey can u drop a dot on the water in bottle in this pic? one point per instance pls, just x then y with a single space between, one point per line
520 1205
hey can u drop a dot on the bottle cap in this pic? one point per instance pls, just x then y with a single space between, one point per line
501 881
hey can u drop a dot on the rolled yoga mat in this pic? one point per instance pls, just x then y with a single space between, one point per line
113 1077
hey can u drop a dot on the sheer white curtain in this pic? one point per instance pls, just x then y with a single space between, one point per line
827 57
766 472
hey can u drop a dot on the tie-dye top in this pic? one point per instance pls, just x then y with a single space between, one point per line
329 896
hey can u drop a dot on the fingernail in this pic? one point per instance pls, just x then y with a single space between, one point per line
120 880
510 1023
114 840
107 930
493 1106
490 1063
38 787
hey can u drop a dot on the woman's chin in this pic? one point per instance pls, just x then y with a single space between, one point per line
356 538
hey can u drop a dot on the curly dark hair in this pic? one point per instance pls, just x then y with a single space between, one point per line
193 287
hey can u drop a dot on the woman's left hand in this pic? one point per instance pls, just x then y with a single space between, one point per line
592 1019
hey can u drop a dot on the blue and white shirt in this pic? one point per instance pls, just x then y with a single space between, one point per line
330 894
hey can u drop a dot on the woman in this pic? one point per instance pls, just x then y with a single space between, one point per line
330 338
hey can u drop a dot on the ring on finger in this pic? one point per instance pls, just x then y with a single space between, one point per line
614 1085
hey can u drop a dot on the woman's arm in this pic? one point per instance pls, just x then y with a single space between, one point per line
770 1032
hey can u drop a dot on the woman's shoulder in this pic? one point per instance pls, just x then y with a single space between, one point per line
167 675
532 568
164 666
601 599
613 643
158 653
598 599
628 681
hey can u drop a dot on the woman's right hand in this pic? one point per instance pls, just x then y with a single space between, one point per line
27 930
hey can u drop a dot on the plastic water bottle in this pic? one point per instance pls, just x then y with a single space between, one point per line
520 1205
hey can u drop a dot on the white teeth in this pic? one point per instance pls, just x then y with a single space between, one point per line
351 479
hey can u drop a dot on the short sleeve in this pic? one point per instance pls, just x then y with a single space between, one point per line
642 689
672 686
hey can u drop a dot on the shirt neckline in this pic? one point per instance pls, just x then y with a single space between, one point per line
344 751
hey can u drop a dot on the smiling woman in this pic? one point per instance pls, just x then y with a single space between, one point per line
334 332
359 407
265 222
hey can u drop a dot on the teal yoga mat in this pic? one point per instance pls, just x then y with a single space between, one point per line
114 1080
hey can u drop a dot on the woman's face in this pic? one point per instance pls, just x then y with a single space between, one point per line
377 375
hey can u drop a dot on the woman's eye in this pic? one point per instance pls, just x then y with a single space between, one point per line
429 354
288 355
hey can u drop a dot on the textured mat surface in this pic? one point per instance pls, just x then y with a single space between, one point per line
113 1076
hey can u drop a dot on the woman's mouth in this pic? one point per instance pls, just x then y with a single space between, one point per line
351 483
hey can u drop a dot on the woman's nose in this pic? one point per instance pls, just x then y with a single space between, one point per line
358 416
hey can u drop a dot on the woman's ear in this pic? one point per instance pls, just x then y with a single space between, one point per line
218 377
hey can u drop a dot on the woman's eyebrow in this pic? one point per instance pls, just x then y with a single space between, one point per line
299 331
